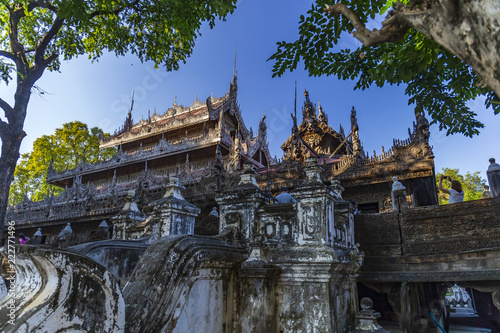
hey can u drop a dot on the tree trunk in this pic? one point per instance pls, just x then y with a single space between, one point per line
468 29
11 144
12 135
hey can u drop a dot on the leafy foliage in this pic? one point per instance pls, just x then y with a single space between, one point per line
163 31
437 82
66 148
472 184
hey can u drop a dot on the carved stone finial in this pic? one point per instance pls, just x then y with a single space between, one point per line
337 188
38 233
249 175
214 212
174 188
398 195
396 185
367 318
312 170
256 243
66 232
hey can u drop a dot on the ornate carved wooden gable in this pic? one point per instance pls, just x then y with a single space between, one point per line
314 136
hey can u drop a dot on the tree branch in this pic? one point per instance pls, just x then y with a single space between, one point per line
41 4
6 107
51 58
4 127
8 55
16 47
42 46
393 29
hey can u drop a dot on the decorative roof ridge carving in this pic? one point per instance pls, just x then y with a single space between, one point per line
151 124
260 141
402 150
229 104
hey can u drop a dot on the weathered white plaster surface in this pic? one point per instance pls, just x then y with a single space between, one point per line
203 310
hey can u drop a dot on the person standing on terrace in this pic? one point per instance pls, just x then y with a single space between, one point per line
284 196
456 193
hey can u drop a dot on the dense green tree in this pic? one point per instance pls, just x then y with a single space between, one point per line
472 184
65 149
37 34
446 52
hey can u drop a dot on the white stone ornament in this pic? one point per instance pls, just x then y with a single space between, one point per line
396 185
38 233
493 174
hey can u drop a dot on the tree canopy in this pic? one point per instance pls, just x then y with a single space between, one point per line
419 45
42 32
38 34
472 184
70 145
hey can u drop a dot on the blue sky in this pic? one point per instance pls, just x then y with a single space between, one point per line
99 93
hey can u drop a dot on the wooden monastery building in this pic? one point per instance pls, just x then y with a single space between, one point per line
205 145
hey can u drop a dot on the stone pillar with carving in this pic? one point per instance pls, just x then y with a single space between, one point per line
239 205
314 202
316 287
127 222
175 215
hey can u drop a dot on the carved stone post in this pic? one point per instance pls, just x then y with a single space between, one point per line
127 219
176 215
239 205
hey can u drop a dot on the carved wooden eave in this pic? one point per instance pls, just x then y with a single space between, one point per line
382 172
161 150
